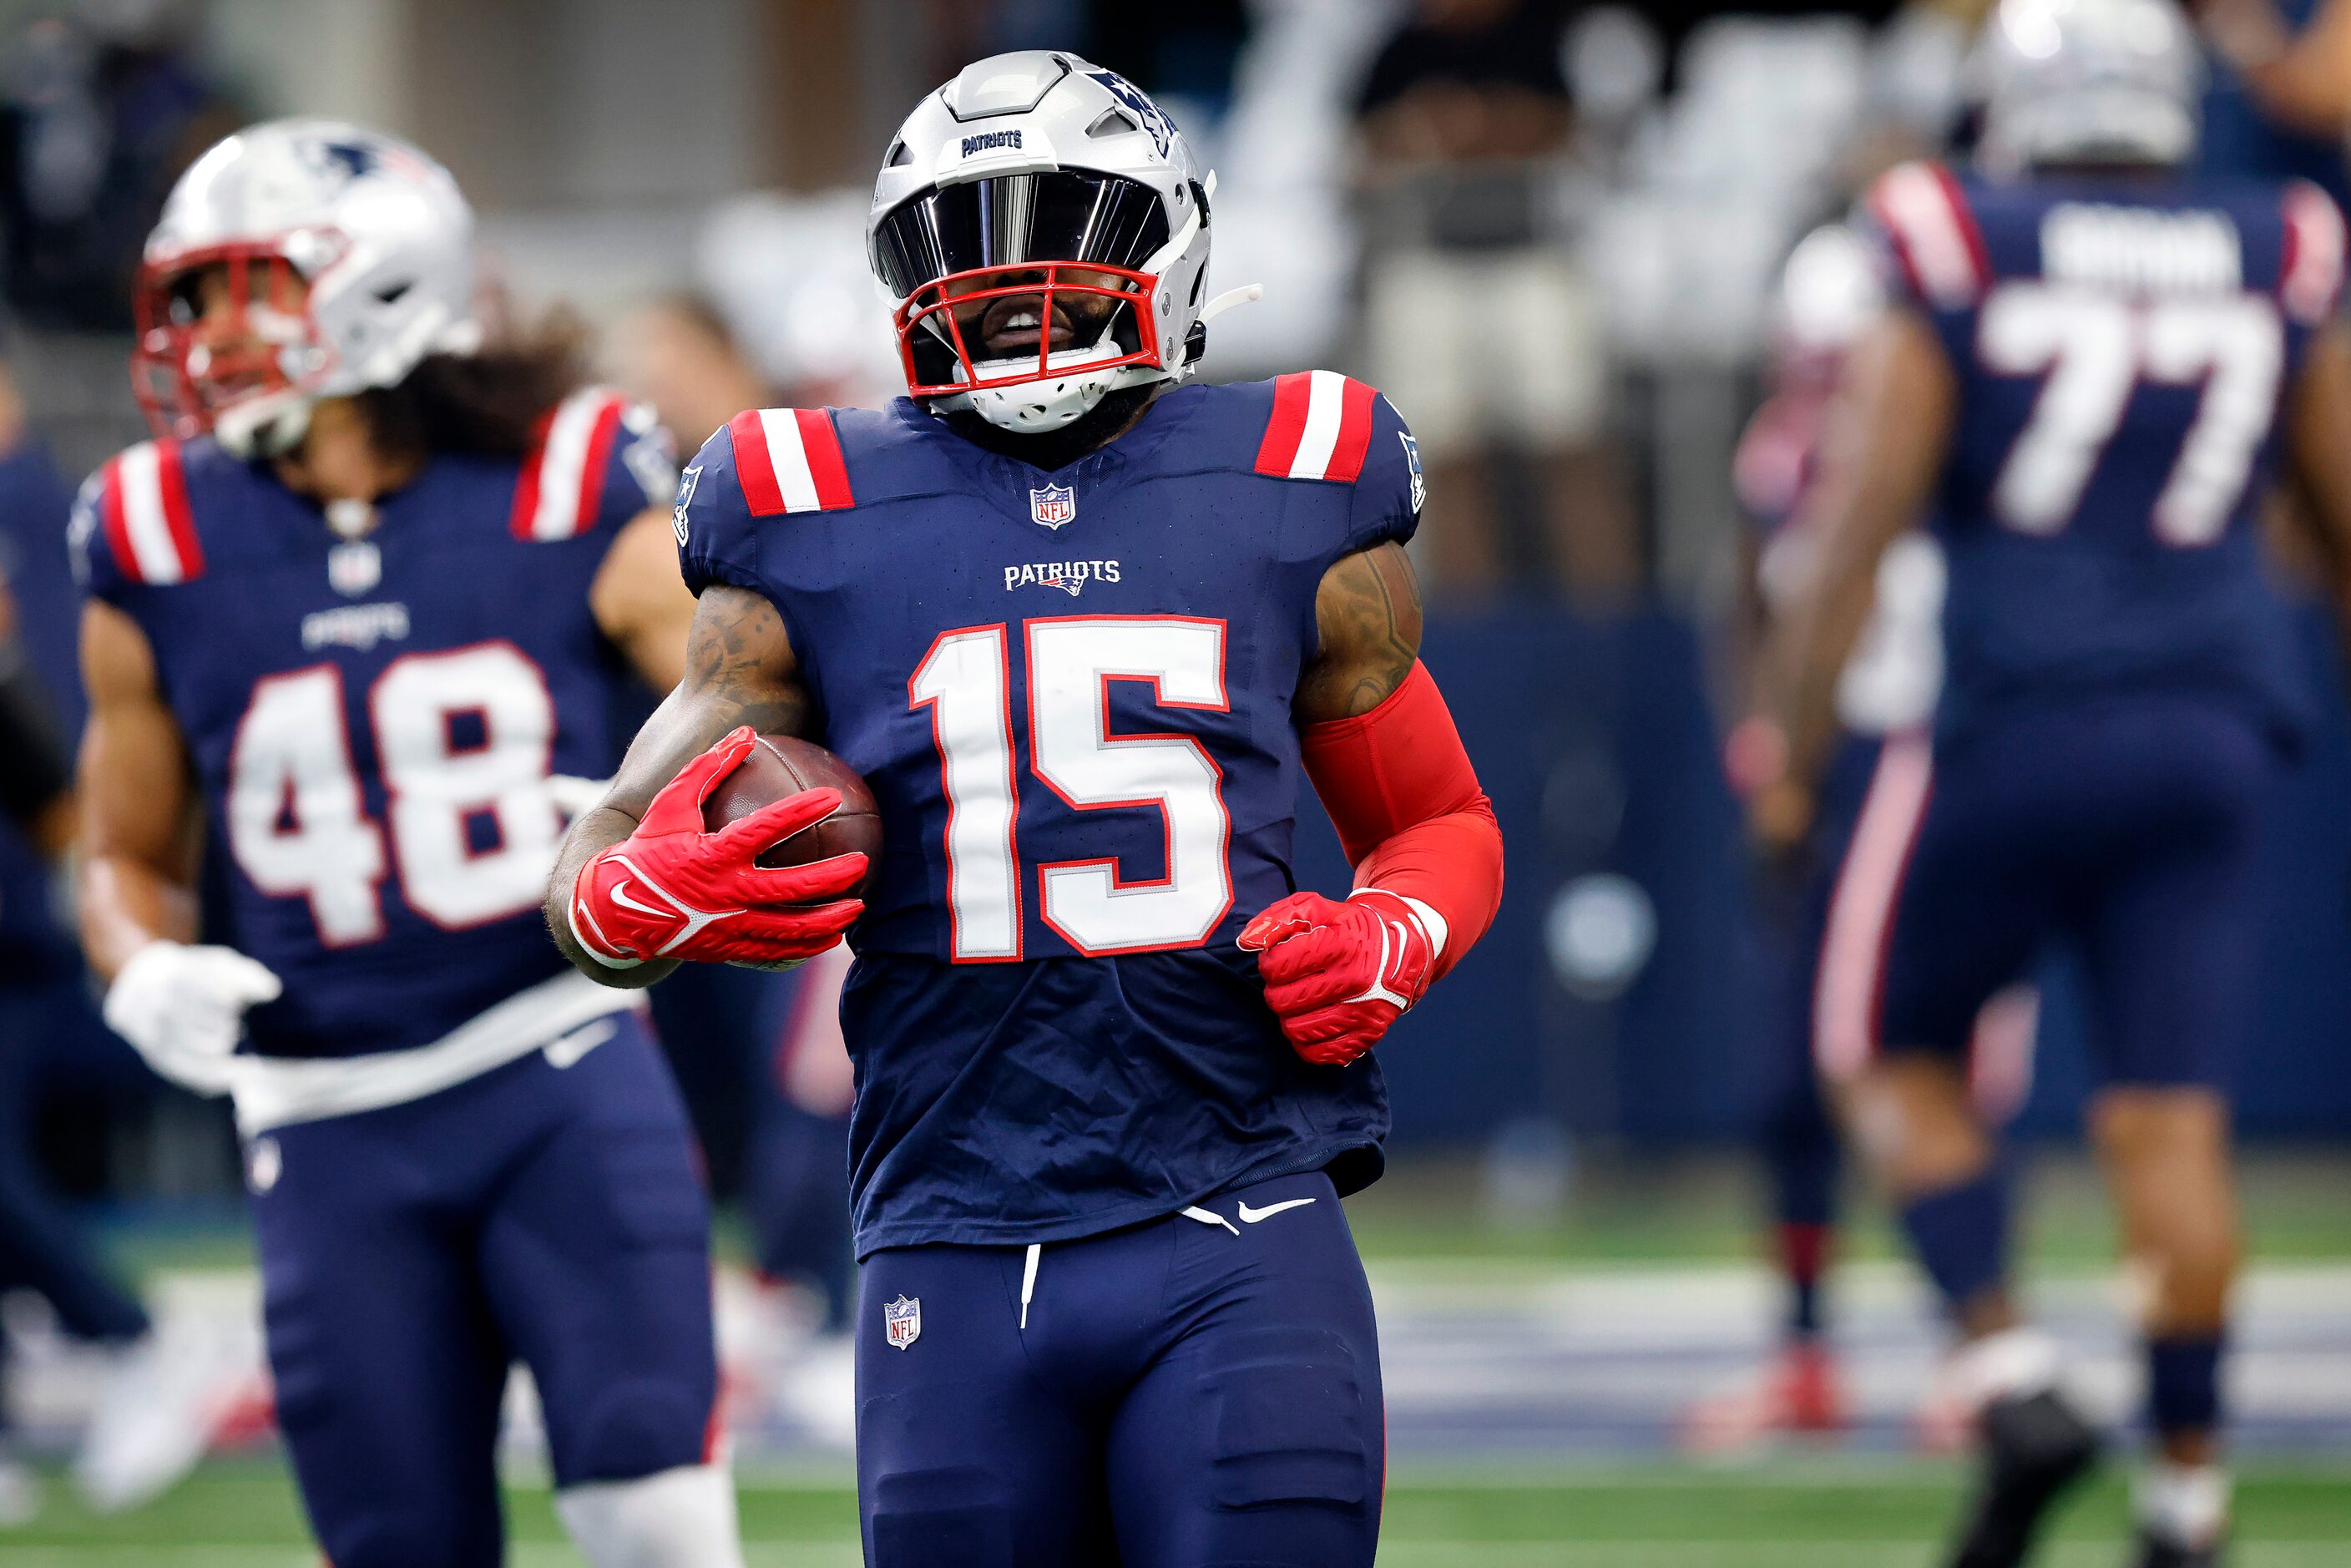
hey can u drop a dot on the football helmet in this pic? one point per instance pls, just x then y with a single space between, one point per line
2089 81
1039 176
379 239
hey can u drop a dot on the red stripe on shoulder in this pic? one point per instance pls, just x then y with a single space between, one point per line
1354 441
171 479
755 470
524 518
1970 233
600 457
1287 425
116 526
828 469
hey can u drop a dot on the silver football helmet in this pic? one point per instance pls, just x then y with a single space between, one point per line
1041 229
347 257
2089 81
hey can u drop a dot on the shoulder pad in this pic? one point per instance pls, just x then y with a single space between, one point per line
560 491
790 460
1937 247
2310 273
1320 428
141 503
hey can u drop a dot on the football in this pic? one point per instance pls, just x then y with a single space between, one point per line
782 766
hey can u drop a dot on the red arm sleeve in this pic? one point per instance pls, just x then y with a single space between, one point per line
1410 815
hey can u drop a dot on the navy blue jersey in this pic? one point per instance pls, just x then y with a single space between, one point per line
372 725
1071 694
2122 347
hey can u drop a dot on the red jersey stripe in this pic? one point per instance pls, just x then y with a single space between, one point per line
1288 425
117 529
178 516
524 518
827 467
753 466
1355 433
600 457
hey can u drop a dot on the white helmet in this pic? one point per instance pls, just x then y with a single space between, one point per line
2089 81
378 231
1038 173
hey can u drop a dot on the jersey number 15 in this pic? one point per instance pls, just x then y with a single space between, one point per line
966 682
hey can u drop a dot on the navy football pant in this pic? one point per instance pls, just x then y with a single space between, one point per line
542 1214
2125 829
1202 1391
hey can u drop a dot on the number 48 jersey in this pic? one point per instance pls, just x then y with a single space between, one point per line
373 726
1071 694
2122 347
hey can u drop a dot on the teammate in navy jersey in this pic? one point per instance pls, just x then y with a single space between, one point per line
1829 296
2094 372
1085 630
352 618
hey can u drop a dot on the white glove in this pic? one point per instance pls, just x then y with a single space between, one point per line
183 1009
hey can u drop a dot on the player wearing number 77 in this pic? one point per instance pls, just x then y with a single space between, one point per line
1086 628
2094 374
372 588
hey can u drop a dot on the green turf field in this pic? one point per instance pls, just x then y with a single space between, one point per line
1802 1511
1786 1515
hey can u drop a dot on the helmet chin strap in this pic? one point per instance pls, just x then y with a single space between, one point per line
267 426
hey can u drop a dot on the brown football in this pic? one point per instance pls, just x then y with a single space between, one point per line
781 766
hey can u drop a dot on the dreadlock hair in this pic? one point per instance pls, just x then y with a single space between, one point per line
488 404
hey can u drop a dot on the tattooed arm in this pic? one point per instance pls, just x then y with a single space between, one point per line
739 670
1368 612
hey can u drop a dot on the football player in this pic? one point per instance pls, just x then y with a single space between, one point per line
2094 371
1086 630
349 619
1829 295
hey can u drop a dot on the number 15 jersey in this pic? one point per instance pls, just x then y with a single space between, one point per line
1071 694
2121 346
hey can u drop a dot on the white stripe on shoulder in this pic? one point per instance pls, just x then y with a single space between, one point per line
563 464
140 474
1326 399
789 453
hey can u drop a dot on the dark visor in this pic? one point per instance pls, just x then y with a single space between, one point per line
1018 219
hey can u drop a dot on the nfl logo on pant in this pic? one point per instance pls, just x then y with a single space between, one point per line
1054 505
902 1321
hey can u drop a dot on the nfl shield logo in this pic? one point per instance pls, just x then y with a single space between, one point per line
1054 505
902 1321
354 568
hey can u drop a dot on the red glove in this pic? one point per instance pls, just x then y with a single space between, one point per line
670 890
1337 974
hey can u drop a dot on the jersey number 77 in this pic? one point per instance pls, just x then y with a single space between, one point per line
2096 349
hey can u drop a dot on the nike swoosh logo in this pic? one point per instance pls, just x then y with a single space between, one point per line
1252 1215
622 898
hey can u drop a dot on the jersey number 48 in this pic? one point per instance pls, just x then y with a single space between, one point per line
298 821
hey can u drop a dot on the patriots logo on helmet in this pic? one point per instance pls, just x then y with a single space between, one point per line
1147 114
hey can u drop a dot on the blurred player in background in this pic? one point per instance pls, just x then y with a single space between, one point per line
1829 296
45 1016
2093 371
1083 629
349 619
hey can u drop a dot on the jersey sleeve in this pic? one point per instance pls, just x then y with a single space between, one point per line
1931 248
717 538
598 461
1390 489
766 463
131 525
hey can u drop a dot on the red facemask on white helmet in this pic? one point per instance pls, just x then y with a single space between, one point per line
1041 229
